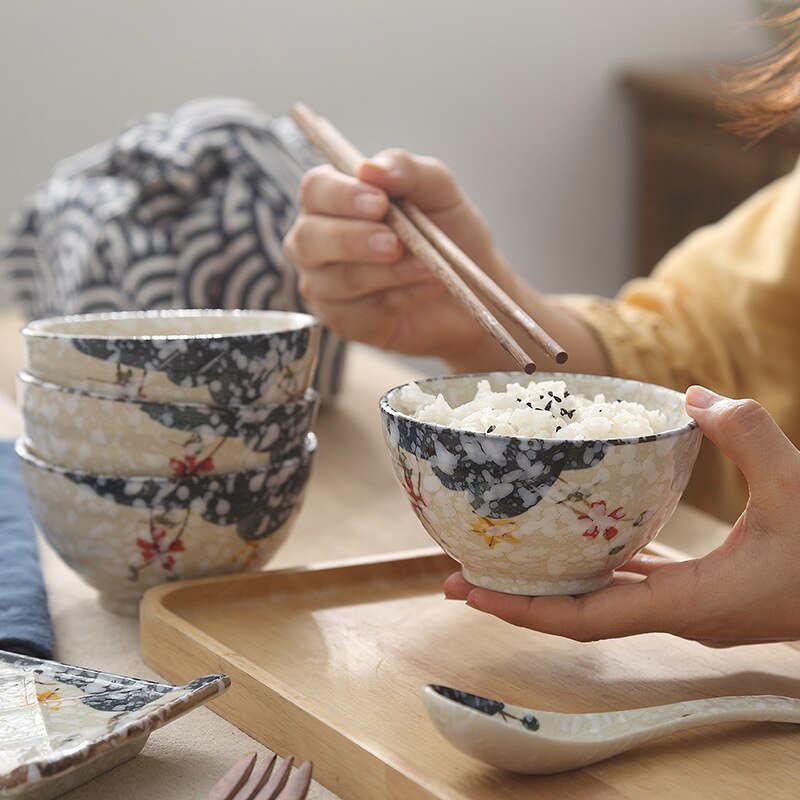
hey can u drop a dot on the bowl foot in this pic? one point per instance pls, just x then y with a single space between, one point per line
123 606
535 587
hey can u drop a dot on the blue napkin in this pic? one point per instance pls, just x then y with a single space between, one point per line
25 626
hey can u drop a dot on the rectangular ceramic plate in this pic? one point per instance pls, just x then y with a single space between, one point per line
61 726
328 663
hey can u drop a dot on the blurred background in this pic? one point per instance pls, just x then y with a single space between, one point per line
586 176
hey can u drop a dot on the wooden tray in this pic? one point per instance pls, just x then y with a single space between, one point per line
328 662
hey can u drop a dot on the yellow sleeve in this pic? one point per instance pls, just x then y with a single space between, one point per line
721 309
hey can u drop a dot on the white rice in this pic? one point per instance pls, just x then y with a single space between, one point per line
544 410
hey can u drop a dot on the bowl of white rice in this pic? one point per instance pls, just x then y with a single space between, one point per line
540 486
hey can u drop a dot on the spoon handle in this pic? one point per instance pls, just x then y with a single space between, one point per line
608 734
758 708
661 720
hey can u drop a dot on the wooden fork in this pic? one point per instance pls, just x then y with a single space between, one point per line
246 781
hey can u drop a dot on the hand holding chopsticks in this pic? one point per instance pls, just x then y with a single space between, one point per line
448 263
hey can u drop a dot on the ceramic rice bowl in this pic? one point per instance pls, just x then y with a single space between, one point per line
218 357
124 535
88 432
541 516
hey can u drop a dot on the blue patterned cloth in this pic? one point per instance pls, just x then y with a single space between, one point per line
25 626
180 210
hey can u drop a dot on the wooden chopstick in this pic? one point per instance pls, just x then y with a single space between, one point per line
475 276
346 158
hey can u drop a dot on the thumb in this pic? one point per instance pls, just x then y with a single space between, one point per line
426 182
747 434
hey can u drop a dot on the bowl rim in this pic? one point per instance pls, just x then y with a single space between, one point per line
35 328
308 398
387 409
310 445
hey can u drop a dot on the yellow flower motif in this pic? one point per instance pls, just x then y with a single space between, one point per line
249 554
50 699
486 527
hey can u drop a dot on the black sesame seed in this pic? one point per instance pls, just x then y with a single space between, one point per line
530 405
557 399
549 405
490 428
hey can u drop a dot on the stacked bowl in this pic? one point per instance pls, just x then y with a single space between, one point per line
166 444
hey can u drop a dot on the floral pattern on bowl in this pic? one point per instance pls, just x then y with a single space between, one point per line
61 726
124 535
510 714
88 432
541 516
218 357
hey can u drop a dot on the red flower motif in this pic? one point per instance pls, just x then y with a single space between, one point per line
147 549
413 493
190 466
598 516
155 548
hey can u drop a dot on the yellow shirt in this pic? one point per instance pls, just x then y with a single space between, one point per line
722 309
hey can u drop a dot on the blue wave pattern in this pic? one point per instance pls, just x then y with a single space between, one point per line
233 374
257 502
502 477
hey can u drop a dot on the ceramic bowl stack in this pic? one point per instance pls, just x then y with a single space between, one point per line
166 445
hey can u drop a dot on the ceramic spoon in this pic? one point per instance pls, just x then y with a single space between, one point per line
540 742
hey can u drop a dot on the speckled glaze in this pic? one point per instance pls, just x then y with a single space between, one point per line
61 726
88 432
536 742
218 357
541 516
124 535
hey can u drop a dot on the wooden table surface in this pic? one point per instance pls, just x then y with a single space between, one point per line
353 508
